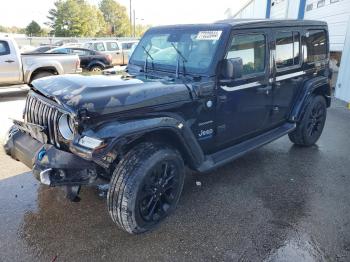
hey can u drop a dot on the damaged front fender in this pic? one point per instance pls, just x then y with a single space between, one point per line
118 134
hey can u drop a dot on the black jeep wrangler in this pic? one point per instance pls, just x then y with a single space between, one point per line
192 95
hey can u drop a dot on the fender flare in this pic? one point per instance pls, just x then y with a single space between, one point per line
305 95
119 134
37 66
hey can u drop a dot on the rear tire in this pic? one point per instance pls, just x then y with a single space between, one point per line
310 128
145 187
96 68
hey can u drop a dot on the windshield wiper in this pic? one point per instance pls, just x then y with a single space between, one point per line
146 61
184 60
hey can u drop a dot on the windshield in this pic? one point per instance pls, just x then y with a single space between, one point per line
197 48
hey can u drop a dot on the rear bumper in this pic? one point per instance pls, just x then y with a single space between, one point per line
50 165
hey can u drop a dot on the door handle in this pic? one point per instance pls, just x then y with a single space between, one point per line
264 90
9 61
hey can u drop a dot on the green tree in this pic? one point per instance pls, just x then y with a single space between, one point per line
141 29
76 18
33 29
116 18
45 31
12 29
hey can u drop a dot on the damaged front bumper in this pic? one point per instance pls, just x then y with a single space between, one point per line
50 165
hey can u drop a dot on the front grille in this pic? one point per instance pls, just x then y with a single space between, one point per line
41 112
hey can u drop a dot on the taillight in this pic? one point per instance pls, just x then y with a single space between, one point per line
109 58
77 64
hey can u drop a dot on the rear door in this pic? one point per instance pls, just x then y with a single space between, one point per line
288 75
244 104
116 52
10 70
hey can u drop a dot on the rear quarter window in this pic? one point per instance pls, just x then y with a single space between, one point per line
316 46
4 48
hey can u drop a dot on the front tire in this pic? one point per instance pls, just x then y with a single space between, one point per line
310 128
145 187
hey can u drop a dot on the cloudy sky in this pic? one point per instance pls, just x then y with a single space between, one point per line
155 12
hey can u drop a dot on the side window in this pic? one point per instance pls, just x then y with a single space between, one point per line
4 48
89 46
309 7
79 52
287 49
99 47
316 46
112 46
251 49
126 46
320 3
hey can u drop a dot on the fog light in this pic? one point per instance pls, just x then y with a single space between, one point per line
45 176
90 142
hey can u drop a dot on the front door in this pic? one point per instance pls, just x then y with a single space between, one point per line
10 71
244 104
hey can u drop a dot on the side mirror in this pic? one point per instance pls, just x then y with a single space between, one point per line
232 68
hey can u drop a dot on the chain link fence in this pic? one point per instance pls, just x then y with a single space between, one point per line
40 41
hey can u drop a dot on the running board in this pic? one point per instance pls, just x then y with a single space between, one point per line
228 154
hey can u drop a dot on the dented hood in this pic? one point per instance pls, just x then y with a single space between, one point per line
109 94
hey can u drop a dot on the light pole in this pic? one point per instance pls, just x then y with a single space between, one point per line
130 20
134 23
136 18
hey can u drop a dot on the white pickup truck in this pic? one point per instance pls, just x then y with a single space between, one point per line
17 68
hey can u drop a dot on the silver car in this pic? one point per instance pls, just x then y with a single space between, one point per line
118 49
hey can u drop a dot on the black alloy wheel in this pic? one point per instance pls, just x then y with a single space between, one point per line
145 187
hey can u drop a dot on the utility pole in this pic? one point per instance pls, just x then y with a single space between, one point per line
134 24
130 20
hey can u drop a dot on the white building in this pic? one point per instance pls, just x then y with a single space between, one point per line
335 12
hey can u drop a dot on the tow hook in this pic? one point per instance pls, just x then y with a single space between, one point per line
72 193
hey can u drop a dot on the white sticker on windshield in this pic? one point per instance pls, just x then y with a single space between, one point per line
209 35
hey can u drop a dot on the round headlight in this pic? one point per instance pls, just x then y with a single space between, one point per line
65 126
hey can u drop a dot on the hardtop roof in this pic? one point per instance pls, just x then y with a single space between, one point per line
270 22
248 23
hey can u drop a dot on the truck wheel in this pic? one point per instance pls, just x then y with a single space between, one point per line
145 187
41 75
310 128
96 68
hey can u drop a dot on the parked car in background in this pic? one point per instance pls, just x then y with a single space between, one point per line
112 47
41 49
89 59
17 68
26 48
127 45
132 49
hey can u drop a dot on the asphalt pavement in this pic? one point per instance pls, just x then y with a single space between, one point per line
278 203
